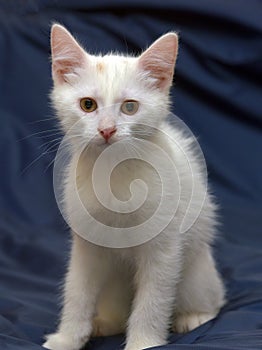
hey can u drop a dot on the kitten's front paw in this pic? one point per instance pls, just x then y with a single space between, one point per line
58 341
187 322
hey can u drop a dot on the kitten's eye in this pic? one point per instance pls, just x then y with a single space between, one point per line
88 104
129 107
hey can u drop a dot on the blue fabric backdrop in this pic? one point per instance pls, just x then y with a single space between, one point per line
217 92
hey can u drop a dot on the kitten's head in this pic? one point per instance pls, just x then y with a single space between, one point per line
108 98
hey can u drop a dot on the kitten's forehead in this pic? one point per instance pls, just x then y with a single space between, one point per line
112 74
113 63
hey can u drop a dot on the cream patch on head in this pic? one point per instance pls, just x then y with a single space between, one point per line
100 67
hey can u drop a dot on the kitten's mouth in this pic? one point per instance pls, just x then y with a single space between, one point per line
105 143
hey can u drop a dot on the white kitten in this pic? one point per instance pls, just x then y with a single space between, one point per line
171 278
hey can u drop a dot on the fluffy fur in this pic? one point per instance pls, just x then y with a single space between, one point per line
169 281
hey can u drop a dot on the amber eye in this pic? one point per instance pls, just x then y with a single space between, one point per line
129 107
88 104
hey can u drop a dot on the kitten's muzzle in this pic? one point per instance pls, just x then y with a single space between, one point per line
107 132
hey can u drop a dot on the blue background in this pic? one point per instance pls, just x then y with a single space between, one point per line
217 92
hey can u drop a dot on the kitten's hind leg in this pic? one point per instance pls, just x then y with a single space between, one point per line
200 292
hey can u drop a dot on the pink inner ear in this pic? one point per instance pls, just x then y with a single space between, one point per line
159 60
67 54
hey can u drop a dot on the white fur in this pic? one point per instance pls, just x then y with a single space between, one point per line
145 289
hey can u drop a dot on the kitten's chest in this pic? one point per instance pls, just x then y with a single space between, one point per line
121 197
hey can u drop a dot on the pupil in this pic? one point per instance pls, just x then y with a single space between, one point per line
130 106
88 104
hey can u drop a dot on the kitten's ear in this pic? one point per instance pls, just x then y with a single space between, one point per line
67 55
159 60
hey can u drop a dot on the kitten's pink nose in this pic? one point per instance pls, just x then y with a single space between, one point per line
107 133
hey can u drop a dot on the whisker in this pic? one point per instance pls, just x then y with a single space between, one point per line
53 147
59 140
39 133
43 120
32 163
49 165
47 143
53 160
45 152
82 145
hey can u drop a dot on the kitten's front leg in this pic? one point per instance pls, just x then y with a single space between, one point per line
84 279
158 270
